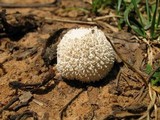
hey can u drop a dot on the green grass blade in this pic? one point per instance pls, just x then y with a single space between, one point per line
138 29
120 21
96 4
154 20
148 69
135 2
148 10
126 13
119 5
158 21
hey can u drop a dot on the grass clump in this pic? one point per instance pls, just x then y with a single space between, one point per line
99 4
142 16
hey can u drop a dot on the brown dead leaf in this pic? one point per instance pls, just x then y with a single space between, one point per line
123 36
139 58
132 46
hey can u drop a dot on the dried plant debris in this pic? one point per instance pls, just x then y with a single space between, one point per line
20 54
23 116
23 99
37 88
25 53
21 25
128 112
49 53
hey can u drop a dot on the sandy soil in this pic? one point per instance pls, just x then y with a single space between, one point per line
23 62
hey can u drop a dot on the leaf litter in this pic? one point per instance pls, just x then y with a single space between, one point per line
26 72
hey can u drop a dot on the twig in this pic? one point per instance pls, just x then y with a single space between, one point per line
143 96
72 21
23 116
104 25
103 17
23 104
156 112
101 23
139 97
9 104
151 104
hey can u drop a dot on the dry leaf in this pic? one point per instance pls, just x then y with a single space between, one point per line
26 96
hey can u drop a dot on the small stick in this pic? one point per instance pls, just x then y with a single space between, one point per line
105 24
150 106
73 21
9 104
103 17
26 114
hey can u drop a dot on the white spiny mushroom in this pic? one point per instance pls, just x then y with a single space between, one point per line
84 54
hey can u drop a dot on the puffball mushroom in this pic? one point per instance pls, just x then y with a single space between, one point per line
84 54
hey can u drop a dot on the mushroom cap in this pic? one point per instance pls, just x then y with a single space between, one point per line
84 54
